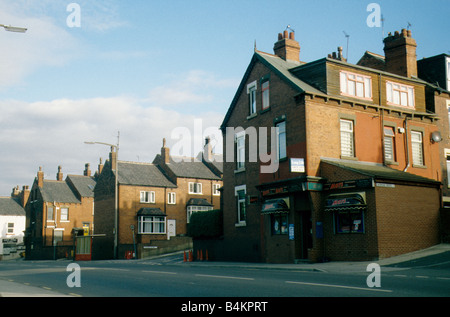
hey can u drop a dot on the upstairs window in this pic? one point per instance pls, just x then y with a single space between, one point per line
347 140
240 150
64 214
251 91
417 148
195 188
389 144
216 189
171 198
10 228
281 133
265 94
399 95
147 197
355 85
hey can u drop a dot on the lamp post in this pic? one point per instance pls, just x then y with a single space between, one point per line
116 187
16 29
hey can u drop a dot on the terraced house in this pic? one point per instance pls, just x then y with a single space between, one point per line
359 171
57 211
154 202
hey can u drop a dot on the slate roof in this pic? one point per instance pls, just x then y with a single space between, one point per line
378 171
191 168
83 184
58 191
198 202
144 174
10 207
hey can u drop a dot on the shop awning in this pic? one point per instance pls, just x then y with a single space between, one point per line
280 205
345 201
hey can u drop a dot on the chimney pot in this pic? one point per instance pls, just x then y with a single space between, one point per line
292 36
400 54
285 34
286 47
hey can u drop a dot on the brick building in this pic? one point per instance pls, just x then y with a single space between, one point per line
357 173
56 212
155 201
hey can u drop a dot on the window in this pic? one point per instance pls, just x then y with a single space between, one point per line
151 224
49 213
251 91
64 214
349 221
347 144
147 197
447 158
400 95
279 224
448 73
356 85
265 94
448 116
216 188
195 188
241 205
10 228
240 150
192 209
171 198
417 148
57 236
389 144
281 137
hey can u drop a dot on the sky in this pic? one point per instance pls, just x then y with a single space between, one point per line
135 72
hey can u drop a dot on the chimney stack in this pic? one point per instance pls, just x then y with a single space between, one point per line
400 54
59 175
113 158
287 47
87 171
100 167
25 195
165 153
40 177
207 150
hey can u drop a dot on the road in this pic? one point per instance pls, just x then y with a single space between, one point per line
171 277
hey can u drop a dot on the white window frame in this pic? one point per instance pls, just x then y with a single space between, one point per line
64 214
400 95
10 228
171 198
216 188
417 148
281 139
147 197
152 225
265 94
240 150
448 115
389 144
241 219
193 208
447 64
52 218
447 158
347 138
251 91
356 85
195 188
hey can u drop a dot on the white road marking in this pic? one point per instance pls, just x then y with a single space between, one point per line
342 286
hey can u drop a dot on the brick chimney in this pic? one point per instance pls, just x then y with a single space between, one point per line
100 167
87 171
40 177
207 150
400 54
287 47
25 195
165 153
59 175
113 158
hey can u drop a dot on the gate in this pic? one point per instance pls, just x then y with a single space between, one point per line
84 248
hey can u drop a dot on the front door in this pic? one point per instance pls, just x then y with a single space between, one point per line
171 228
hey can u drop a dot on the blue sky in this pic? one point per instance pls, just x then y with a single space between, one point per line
146 67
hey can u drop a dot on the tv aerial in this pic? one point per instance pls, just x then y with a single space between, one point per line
348 37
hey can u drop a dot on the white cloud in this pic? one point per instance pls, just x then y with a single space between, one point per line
52 133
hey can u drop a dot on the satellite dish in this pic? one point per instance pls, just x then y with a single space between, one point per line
436 136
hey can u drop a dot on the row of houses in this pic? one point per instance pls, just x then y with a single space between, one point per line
94 217
362 156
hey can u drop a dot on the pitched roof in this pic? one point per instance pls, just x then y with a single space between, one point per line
83 184
279 66
145 174
58 191
191 168
10 207
378 171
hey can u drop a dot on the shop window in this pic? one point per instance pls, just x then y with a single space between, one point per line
349 221
279 223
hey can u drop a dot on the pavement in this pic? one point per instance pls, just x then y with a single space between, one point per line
13 289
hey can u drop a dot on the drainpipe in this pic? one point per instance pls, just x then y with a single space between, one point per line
407 145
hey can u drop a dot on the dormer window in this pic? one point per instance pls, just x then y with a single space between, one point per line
399 95
355 85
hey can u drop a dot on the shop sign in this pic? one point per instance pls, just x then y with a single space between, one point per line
359 183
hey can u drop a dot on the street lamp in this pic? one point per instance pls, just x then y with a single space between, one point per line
16 29
116 187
